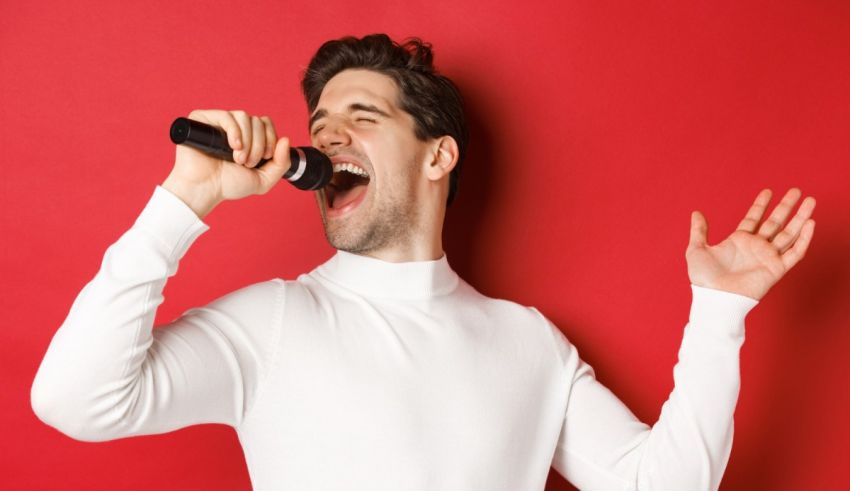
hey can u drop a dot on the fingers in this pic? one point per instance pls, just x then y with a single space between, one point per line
246 127
271 137
260 139
756 212
258 143
272 172
699 230
785 239
252 138
776 220
793 255
281 156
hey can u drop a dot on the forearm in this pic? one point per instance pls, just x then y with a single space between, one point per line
691 442
604 446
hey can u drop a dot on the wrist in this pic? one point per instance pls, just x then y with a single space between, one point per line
719 307
197 197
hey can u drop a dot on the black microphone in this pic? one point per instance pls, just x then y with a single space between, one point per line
310 169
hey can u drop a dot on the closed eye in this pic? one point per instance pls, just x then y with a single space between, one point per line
319 128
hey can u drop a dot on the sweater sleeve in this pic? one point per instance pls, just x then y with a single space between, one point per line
602 444
109 374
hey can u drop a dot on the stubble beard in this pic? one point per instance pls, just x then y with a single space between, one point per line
389 223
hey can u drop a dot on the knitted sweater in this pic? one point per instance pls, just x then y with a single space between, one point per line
370 375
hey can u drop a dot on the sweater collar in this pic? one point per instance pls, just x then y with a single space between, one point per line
374 277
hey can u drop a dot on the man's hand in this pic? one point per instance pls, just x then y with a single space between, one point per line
202 181
751 260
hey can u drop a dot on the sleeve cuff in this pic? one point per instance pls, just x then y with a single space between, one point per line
719 308
167 218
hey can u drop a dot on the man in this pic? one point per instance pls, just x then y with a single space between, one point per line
382 369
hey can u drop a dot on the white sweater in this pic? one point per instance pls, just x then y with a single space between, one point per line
368 375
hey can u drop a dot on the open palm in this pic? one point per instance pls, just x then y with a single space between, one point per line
754 257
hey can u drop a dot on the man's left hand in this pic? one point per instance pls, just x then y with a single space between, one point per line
751 260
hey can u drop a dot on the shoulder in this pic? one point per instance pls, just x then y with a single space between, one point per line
274 296
529 318
255 309
507 311
265 296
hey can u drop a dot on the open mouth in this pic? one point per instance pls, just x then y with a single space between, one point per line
347 187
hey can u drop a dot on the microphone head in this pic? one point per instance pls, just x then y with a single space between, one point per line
310 169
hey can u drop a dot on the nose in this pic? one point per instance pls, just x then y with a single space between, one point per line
334 134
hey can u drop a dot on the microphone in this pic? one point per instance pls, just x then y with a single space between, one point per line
310 169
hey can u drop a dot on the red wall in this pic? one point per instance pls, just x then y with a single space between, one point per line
597 128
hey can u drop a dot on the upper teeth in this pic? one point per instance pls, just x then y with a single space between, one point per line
348 167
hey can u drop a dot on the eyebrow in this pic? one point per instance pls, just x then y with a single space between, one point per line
357 106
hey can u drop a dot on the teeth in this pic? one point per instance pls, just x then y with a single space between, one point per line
349 167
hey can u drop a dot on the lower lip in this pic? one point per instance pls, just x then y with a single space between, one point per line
337 212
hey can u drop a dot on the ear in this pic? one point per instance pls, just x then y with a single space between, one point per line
442 158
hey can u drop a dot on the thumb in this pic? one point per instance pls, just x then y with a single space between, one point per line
699 230
272 171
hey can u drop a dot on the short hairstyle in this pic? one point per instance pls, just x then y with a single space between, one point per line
431 98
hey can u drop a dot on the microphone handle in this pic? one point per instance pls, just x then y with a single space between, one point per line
310 169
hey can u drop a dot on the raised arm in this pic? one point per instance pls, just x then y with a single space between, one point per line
107 372
602 444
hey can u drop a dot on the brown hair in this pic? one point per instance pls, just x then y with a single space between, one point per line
430 98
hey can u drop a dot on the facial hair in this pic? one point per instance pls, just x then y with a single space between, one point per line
390 219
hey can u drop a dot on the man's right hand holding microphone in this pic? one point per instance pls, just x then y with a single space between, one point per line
203 181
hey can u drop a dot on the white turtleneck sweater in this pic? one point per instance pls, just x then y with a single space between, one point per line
369 375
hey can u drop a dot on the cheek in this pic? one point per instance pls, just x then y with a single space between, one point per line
393 155
388 156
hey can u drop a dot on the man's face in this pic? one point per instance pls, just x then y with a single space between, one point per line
371 202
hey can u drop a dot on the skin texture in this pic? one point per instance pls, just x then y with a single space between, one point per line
202 182
401 216
388 213
758 253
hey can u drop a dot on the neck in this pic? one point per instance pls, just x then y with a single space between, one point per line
422 239
423 243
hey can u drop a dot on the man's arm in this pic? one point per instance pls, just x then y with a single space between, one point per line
107 373
602 445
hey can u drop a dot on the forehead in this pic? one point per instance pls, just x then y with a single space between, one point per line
359 84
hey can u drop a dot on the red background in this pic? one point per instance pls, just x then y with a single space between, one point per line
597 128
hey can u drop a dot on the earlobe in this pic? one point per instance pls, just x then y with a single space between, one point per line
443 159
